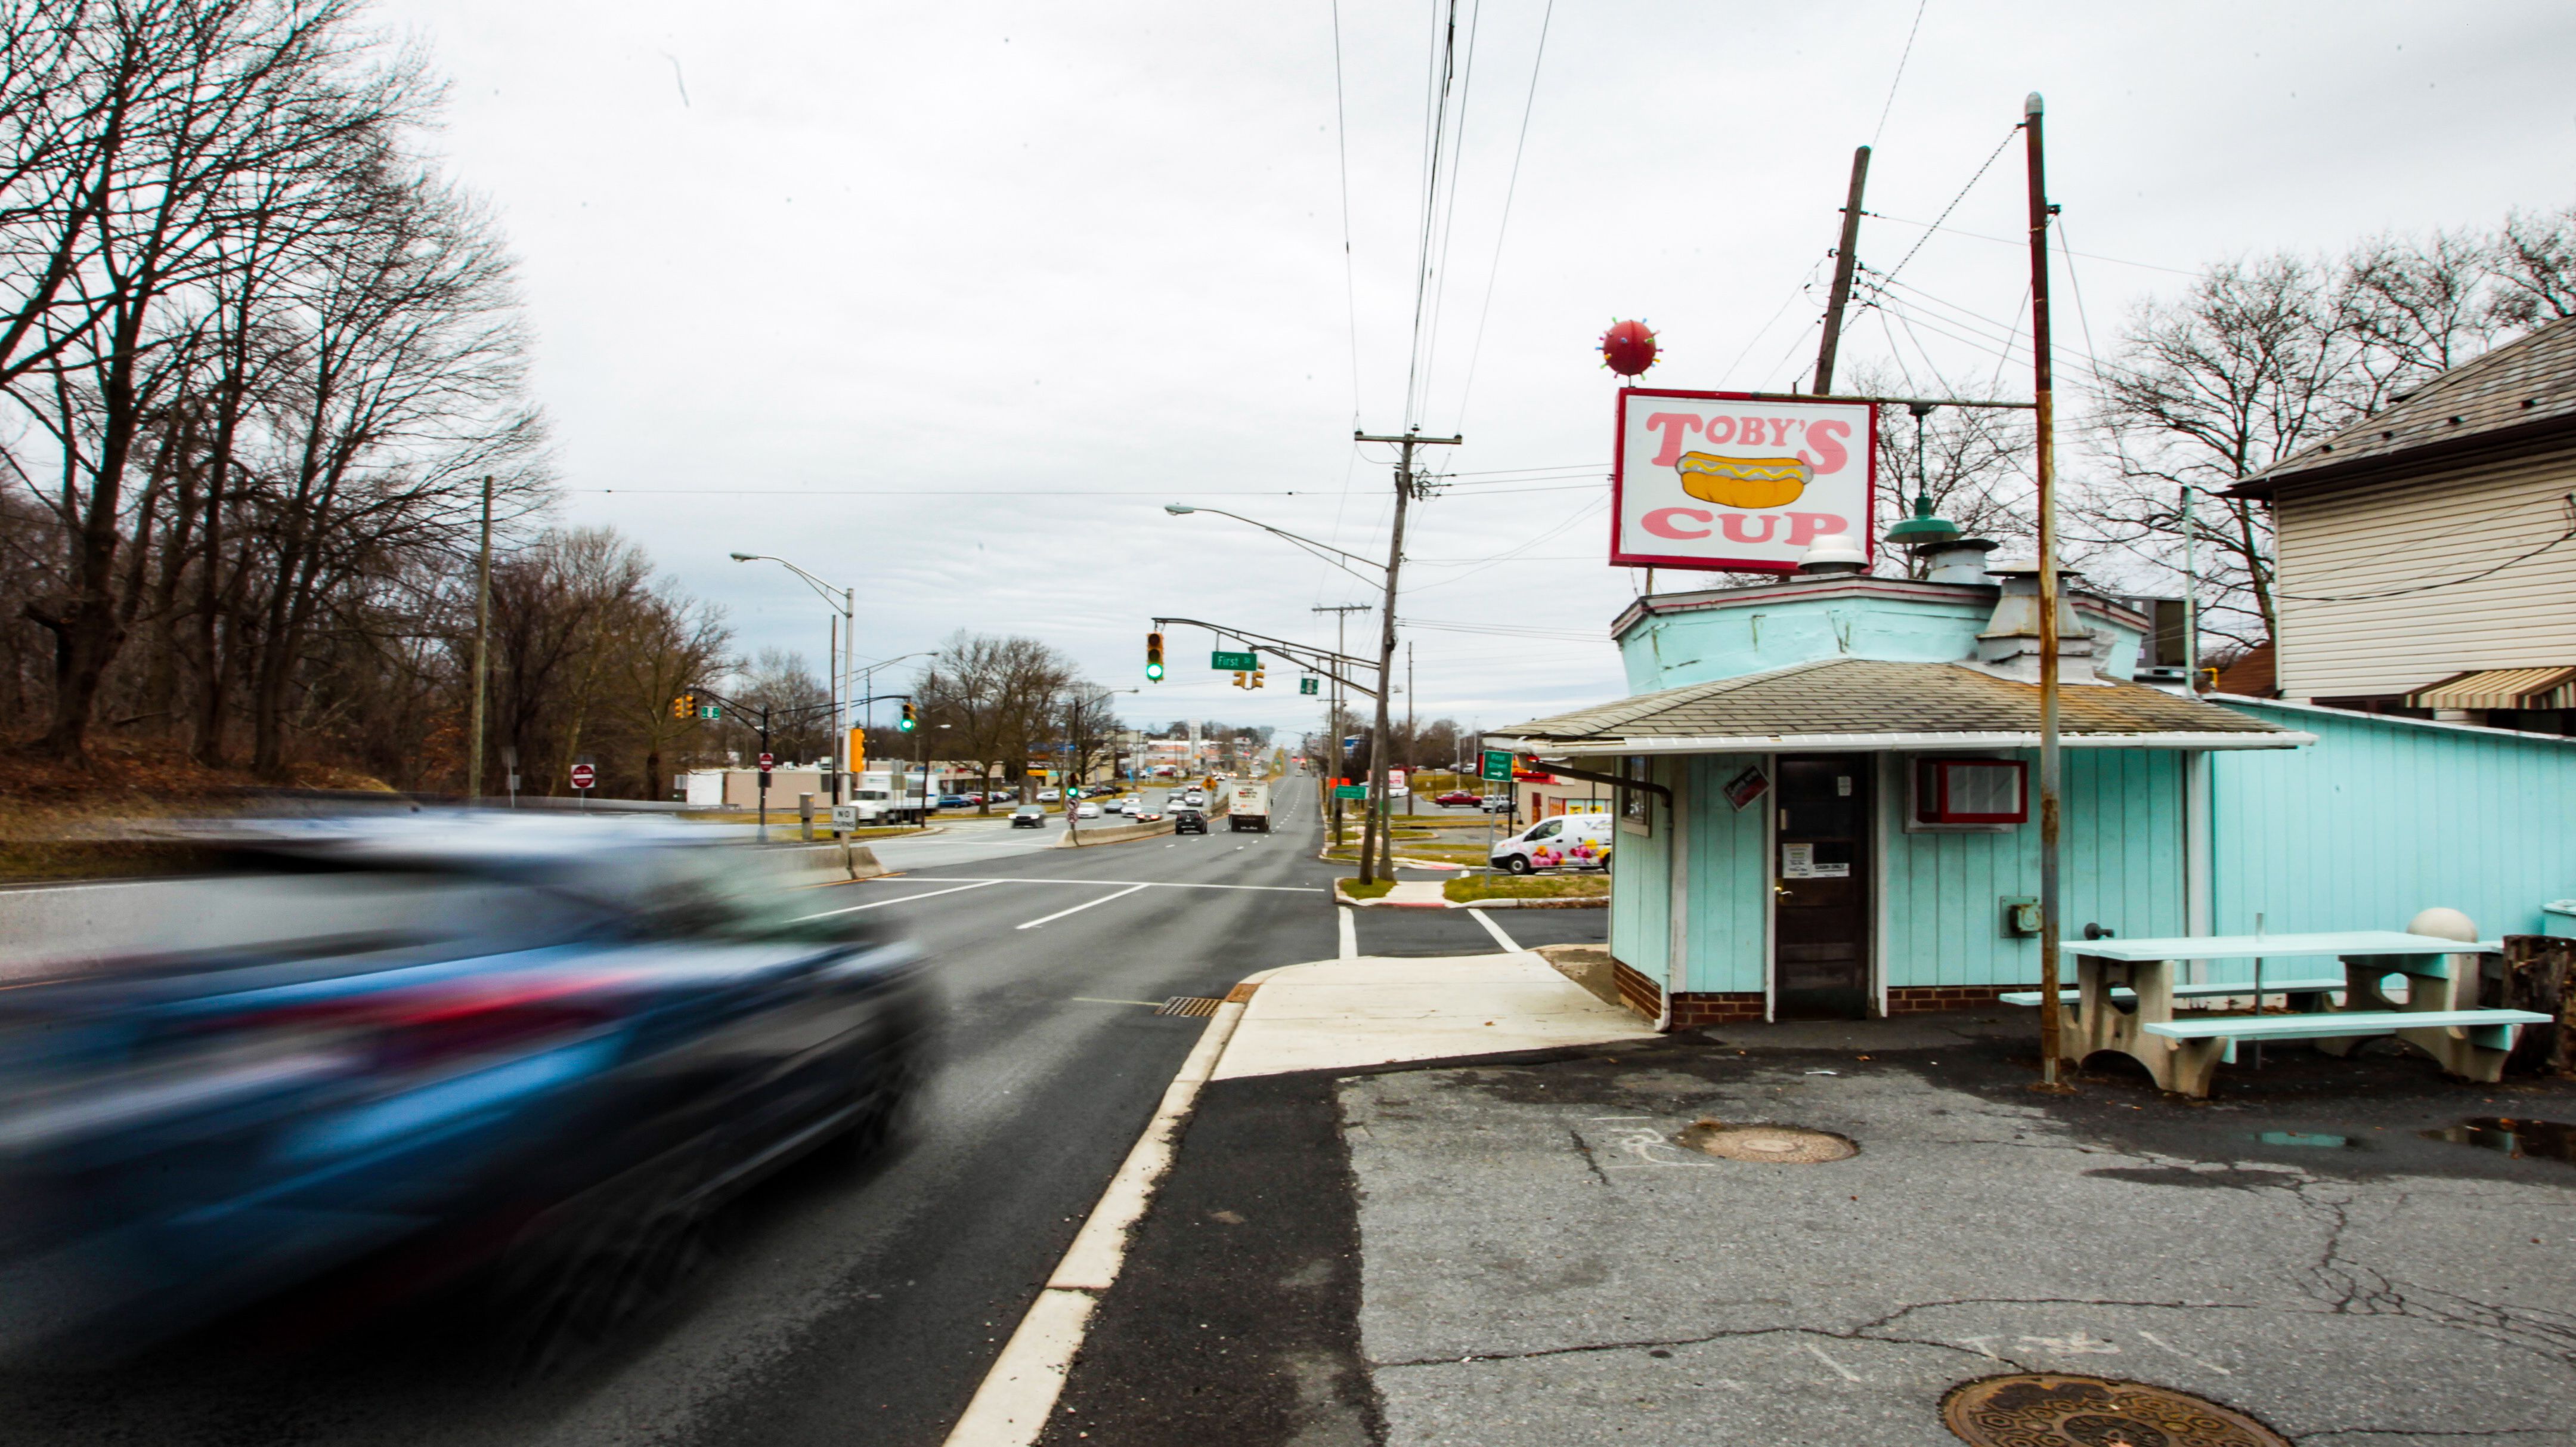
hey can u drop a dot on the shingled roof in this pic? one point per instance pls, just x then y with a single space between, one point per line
1866 704
2520 392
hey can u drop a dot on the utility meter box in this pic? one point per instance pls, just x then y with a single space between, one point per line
2021 916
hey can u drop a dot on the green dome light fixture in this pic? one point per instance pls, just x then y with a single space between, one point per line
1923 529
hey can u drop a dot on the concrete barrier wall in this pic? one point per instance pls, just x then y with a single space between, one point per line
1115 834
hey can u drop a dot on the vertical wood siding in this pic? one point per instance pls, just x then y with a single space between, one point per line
2383 817
1730 879
2121 861
2386 536
1641 883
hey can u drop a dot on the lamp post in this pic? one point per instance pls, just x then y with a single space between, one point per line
846 606
1372 829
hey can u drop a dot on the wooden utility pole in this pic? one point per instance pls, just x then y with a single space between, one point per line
1333 707
2050 811
482 647
1845 259
1372 824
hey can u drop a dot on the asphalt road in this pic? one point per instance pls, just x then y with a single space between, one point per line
844 1302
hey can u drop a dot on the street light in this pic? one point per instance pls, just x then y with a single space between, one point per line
848 626
1178 509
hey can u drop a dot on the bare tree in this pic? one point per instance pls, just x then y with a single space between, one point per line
997 697
2534 263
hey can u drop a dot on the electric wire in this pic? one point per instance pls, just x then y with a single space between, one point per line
1892 81
1955 200
1350 281
1449 208
2569 502
1442 71
1511 188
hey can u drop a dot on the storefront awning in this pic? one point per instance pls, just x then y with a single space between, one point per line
2501 688
1867 705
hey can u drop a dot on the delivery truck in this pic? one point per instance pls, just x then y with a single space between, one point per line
1248 805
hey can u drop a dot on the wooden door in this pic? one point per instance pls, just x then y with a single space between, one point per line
1820 871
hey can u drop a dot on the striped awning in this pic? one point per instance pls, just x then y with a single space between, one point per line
2501 688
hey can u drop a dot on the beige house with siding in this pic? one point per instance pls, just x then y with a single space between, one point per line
2468 482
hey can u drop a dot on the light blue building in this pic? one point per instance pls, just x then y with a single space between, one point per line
1828 797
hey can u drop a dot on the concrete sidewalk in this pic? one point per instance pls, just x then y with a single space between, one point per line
1352 1014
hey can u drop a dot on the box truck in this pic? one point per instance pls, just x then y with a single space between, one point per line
1248 806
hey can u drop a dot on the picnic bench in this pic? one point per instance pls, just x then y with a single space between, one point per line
2123 1001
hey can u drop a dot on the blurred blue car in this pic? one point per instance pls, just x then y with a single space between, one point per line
538 1049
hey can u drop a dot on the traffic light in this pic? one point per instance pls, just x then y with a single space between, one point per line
1238 680
685 706
911 718
1256 678
1153 658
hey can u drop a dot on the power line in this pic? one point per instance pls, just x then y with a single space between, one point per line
1437 115
1449 209
1954 202
1900 73
1350 283
1511 189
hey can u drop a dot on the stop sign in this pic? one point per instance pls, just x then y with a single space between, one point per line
583 776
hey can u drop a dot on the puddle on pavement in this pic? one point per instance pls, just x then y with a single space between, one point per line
2308 1139
2548 1139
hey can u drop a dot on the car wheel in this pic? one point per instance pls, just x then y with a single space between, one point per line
1517 864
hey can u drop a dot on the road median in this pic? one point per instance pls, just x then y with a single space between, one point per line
1114 834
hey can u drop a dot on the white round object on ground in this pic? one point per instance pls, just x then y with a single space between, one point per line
2443 924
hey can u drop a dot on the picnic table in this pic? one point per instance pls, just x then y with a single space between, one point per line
2125 990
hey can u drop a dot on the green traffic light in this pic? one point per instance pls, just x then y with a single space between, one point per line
1154 672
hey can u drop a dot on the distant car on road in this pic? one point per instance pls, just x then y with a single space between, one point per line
1457 797
1195 799
1498 804
1049 796
1086 810
1028 816
1186 820
955 801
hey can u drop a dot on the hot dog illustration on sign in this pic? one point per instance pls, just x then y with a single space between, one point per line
1729 480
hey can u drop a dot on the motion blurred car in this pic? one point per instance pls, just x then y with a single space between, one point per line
1186 820
1049 796
537 1052
1086 810
955 801
1456 797
1029 816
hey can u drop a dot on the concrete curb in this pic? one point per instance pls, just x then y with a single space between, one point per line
1344 900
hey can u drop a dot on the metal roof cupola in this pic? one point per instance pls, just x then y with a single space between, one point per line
2009 646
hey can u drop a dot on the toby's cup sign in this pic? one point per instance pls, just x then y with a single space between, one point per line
1723 480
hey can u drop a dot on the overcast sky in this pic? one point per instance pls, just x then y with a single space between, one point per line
947 301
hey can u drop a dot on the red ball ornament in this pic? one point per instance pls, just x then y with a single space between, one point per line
1628 348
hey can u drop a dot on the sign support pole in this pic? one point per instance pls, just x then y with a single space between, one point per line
2051 805
1845 260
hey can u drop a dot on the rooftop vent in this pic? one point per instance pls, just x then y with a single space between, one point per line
1833 555
1960 560
2009 648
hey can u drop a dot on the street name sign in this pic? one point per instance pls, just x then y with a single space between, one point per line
1224 662
1498 764
1350 791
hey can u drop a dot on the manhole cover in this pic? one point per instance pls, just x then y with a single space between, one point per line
2043 1409
1781 1145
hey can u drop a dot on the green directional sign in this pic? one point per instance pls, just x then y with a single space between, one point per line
1309 685
710 710
1224 662
1498 764
1350 791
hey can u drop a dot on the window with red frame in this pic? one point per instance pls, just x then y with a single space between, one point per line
1971 791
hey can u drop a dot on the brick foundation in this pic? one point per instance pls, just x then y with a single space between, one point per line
1924 999
1636 991
1692 1008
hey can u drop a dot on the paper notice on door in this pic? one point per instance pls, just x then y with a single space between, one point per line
1799 861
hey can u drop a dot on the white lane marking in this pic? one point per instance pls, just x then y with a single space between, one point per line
1011 1407
1350 933
1156 883
1495 930
907 899
1079 908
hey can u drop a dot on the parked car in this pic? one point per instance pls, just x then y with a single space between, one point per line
1497 804
1029 816
1457 797
955 801
1049 796
554 1049
1186 820
1568 841
1086 810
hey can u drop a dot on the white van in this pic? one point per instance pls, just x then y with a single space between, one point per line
1568 841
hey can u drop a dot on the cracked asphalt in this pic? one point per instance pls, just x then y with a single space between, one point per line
1519 1252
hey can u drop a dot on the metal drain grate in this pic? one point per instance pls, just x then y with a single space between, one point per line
1189 1005
2046 1409
1781 1145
